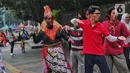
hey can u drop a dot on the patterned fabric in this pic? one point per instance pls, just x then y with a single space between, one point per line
55 61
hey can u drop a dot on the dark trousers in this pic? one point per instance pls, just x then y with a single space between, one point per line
127 56
12 47
91 60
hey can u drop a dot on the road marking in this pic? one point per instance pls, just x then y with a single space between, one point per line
11 68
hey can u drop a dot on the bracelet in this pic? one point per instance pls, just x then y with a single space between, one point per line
118 38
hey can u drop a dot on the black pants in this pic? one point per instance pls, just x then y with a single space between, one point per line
12 47
91 60
1 45
126 53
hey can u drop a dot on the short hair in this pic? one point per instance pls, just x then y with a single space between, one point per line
92 9
109 12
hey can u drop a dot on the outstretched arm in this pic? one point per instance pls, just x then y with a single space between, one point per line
66 37
113 38
76 21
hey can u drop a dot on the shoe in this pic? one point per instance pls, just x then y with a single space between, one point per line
23 51
11 54
3 69
3 72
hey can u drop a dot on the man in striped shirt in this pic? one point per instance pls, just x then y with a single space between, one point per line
76 56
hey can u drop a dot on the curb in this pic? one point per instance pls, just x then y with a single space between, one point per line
11 68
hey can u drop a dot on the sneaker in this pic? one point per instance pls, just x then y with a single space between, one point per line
3 69
23 51
3 72
11 54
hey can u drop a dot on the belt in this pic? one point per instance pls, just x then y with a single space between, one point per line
74 49
52 45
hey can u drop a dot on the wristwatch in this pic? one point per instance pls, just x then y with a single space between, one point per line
118 38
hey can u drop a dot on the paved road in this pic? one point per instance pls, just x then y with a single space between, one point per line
29 62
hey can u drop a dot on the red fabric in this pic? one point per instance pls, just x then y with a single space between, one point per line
92 43
128 45
116 29
86 12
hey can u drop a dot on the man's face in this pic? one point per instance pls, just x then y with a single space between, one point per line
79 16
49 20
113 15
96 15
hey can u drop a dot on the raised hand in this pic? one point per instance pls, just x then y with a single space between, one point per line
66 27
70 40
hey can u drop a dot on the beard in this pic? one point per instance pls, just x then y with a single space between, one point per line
50 25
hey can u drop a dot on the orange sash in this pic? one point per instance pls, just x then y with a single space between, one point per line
51 33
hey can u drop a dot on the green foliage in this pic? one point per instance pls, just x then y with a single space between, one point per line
56 14
33 9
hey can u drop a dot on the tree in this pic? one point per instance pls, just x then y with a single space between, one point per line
33 9
25 9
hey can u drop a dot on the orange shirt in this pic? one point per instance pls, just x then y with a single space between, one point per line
3 39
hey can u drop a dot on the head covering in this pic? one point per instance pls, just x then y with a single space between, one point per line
123 18
47 11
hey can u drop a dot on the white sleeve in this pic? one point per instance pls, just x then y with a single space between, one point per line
112 38
73 21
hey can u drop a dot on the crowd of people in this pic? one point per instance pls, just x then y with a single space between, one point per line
94 46
92 43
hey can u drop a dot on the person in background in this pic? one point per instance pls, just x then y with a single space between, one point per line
114 50
2 39
11 40
23 35
126 20
76 54
79 16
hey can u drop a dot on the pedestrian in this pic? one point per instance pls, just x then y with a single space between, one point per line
114 50
76 54
11 40
23 35
54 58
2 39
93 31
126 20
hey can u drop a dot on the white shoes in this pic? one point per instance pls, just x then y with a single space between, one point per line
3 72
11 54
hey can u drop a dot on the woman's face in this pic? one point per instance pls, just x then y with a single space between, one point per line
127 19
